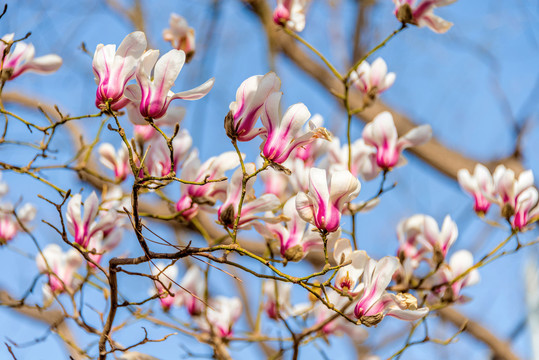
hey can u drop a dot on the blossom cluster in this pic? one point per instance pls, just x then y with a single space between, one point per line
516 197
309 185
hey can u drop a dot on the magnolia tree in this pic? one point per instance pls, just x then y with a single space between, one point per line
163 250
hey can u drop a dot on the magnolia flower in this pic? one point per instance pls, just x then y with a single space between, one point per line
410 252
250 99
339 325
113 198
324 203
480 183
420 236
438 241
144 132
526 209
294 241
277 304
382 134
363 159
459 262
291 13
299 179
222 313
422 14
180 35
195 196
155 79
227 213
86 227
193 286
508 188
158 156
372 80
60 268
165 287
282 136
375 303
117 161
114 68
347 277
21 60
310 152
275 182
9 226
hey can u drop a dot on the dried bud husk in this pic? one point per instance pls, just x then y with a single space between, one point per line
279 167
294 253
405 14
507 211
5 74
203 200
437 255
449 295
229 126
227 216
371 320
407 300
189 55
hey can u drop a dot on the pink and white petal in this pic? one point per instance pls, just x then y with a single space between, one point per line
388 81
415 137
344 187
382 274
461 261
107 155
196 93
73 260
381 130
74 213
270 117
434 22
378 72
525 180
408 315
466 181
167 69
53 255
144 72
304 206
342 250
91 207
44 64
102 61
27 213
318 187
294 118
128 54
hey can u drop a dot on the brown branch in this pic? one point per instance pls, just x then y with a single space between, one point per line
500 349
